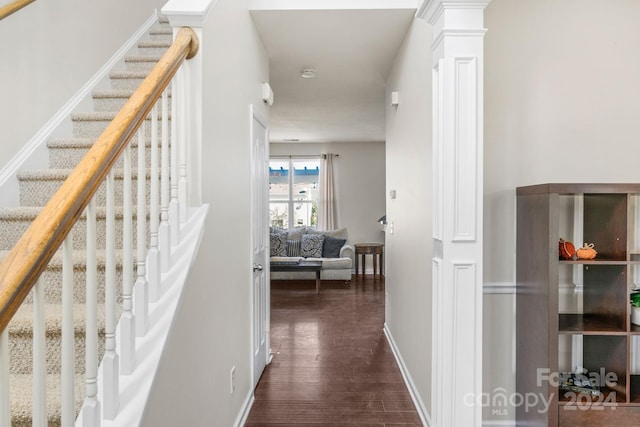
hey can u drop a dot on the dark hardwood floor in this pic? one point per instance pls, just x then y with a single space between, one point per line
332 365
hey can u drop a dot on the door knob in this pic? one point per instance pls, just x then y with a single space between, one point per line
257 267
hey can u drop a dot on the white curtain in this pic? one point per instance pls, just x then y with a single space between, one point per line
328 217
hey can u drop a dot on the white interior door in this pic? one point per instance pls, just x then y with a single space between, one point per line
260 233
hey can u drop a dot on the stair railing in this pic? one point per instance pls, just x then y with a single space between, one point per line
13 7
21 270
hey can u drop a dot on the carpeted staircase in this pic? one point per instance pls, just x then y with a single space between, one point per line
36 187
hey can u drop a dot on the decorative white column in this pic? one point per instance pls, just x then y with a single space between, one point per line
458 37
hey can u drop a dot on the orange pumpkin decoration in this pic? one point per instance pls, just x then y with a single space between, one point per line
587 251
566 249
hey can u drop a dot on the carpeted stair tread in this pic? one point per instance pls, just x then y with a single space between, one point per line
52 276
66 153
155 44
92 116
112 99
127 74
161 33
84 142
142 58
29 213
71 142
61 174
116 93
22 321
143 61
164 31
18 219
89 116
37 186
20 213
21 386
43 174
113 93
161 30
128 79
79 258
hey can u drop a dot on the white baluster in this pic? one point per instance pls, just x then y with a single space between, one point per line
183 184
91 407
176 137
110 362
127 320
153 257
141 291
5 409
163 232
39 410
68 350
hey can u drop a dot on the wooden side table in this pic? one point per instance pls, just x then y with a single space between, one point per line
374 249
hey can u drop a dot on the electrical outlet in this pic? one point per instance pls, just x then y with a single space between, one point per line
232 377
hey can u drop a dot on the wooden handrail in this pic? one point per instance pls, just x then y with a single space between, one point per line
13 7
30 256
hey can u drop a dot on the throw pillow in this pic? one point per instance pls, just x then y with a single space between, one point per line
311 245
296 233
293 247
331 247
340 233
278 244
273 230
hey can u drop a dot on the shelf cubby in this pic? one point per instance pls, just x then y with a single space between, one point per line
634 393
605 224
590 324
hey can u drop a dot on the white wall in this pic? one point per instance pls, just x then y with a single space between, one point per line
49 50
561 105
212 330
359 172
408 249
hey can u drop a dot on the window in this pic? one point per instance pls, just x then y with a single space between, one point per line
293 197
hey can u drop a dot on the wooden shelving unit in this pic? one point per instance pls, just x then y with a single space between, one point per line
597 332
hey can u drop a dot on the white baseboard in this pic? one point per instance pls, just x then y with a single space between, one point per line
9 191
415 395
244 411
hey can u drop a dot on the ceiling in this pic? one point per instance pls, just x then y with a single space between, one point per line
351 51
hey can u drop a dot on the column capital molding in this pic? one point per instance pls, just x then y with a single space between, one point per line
187 13
432 10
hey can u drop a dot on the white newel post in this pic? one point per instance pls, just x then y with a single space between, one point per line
458 37
187 107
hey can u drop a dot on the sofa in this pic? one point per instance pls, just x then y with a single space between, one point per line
330 247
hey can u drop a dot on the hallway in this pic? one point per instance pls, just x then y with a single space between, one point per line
332 365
